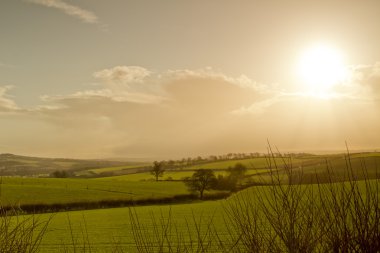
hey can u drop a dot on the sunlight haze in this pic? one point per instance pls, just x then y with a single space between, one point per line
172 79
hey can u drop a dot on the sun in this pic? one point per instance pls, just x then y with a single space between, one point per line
321 68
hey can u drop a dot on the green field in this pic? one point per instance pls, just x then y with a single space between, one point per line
105 229
172 175
15 191
23 190
118 168
146 176
362 166
109 227
16 165
252 163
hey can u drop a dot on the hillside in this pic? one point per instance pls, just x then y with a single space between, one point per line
16 165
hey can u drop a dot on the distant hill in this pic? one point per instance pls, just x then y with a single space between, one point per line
16 165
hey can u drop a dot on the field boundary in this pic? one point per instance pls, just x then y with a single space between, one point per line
102 204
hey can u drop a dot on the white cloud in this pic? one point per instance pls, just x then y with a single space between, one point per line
138 85
120 84
365 81
258 107
123 74
122 96
72 10
6 103
210 73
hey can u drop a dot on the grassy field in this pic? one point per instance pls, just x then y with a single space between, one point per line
15 191
362 166
16 165
172 175
132 173
18 190
118 168
253 163
105 229
146 176
110 228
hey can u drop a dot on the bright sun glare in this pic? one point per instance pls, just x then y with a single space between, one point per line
321 67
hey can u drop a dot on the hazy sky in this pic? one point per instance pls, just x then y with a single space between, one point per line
170 79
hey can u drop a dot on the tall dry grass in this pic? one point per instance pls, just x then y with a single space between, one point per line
19 234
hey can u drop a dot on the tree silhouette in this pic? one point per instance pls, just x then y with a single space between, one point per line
157 170
236 174
201 180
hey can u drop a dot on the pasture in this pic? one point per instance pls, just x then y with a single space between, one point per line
118 168
27 190
21 191
108 230
113 230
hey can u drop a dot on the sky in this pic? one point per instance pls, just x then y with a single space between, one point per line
163 79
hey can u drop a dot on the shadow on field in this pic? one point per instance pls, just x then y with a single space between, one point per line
58 207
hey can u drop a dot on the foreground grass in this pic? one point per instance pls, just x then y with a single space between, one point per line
111 230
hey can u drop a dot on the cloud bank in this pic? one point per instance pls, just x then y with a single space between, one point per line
136 112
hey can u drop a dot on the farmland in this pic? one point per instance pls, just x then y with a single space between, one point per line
56 190
132 186
118 168
110 229
254 166
16 165
28 190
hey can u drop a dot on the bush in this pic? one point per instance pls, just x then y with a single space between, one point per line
61 174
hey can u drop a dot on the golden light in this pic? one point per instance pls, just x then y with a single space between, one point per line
321 67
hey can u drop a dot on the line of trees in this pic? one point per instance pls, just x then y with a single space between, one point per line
171 164
189 161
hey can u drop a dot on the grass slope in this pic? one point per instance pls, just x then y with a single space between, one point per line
109 227
12 165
